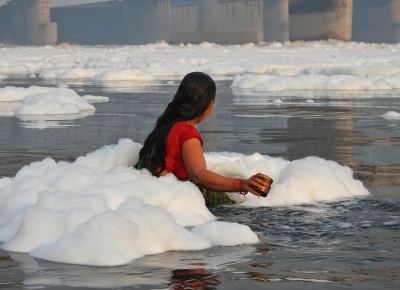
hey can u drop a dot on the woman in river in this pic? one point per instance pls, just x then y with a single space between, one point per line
175 145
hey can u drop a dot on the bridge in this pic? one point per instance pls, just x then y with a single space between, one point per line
195 21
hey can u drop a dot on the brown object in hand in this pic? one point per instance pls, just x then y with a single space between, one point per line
264 190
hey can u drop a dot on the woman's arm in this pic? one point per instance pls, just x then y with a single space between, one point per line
195 164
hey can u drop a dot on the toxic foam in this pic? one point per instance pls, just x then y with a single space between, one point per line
101 211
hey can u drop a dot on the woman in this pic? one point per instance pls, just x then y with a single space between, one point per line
174 146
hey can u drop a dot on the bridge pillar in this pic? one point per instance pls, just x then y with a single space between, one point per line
30 22
320 19
210 14
276 20
207 16
394 7
146 21
340 20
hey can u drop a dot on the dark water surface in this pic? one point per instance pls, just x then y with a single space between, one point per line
352 244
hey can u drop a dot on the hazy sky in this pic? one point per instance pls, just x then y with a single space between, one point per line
56 3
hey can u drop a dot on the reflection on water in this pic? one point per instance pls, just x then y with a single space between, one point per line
38 273
51 121
199 279
43 124
181 270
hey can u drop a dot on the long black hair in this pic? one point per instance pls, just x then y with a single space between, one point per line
195 93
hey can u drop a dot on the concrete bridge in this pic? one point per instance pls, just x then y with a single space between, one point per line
238 21
219 21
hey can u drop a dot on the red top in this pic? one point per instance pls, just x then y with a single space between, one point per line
179 134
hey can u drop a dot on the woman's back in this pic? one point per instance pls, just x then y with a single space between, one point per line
179 134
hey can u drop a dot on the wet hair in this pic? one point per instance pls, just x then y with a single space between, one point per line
195 93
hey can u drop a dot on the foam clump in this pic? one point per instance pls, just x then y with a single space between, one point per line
126 75
226 234
303 181
161 61
10 94
96 99
54 102
101 211
391 115
118 237
98 210
61 85
314 82
48 101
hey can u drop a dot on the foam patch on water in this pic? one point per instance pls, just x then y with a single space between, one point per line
48 101
10 94
101 211
225 234
127 75
54 102
96 99
7 109
302 181
315 82
391 115
162 61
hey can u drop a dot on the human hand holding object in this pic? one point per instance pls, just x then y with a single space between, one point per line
258 184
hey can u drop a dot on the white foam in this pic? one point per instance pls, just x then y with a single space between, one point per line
47 101
118 237
391 115
96 99
226 234
68 212
360 71
358 64
54 102
101 211
314 82
124 75
343 225
7 109
67 73
9 94
303 181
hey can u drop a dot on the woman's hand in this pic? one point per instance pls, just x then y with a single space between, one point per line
195 164
256 181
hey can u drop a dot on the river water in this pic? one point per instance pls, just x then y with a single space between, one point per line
348 244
